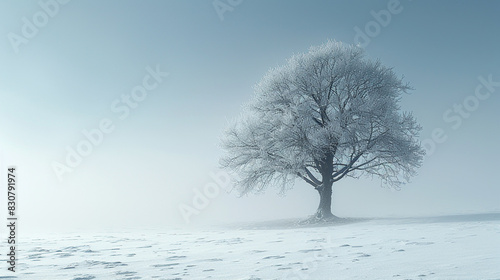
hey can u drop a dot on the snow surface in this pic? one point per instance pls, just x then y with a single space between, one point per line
454 247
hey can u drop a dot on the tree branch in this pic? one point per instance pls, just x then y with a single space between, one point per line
311 176
342 172
307 180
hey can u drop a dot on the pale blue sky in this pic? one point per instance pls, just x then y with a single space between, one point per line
67 76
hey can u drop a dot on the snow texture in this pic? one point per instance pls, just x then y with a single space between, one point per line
458 247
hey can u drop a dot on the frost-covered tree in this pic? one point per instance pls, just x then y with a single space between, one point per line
325 115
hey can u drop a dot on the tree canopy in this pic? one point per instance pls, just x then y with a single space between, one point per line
324 115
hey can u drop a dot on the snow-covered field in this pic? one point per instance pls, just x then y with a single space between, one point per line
458 247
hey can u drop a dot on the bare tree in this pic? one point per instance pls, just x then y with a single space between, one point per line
325 115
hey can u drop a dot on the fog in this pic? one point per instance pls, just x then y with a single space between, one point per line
67 83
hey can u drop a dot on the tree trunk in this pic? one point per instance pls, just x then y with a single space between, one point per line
325 203
324 211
